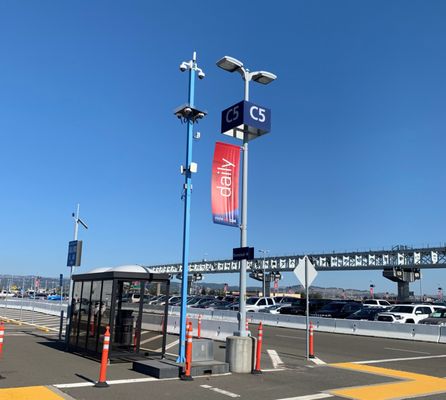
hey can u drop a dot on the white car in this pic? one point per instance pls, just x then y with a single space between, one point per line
254 304
4 294
376 303
273 309
406 313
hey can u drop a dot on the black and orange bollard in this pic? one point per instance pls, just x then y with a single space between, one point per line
186 375
257 369
311 342
102 382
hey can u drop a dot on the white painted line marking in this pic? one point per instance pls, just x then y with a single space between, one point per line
310 397
150 339
121 381
134 380
408 351
318 361
275 359
274 369
73 385
398 359
168 346
221 391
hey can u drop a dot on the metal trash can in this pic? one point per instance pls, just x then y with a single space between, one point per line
124 328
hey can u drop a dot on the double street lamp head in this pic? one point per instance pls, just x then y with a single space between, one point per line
231 64
263 77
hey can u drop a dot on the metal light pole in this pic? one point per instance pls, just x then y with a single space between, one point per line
189 114
77 221
231 64
264 252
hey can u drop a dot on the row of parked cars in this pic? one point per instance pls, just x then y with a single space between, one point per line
371 309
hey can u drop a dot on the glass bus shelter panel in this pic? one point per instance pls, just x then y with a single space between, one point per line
127 315
93 321
75 307
152 340
104 312
84 314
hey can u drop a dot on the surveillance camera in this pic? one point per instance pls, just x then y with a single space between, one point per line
187 110
200 115
183 67
201 74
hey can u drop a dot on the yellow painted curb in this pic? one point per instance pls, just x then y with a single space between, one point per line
409 384
28 393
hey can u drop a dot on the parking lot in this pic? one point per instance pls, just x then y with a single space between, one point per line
346 367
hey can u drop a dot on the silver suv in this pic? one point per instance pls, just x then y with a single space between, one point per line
259 303
376 303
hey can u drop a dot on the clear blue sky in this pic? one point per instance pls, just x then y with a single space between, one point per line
355 159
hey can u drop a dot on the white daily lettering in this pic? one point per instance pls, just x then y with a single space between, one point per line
226 178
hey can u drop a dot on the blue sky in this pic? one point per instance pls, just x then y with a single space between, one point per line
355 158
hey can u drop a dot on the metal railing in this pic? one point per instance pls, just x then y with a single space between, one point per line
42 306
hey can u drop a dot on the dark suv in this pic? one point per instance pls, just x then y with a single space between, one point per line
338 309
298 307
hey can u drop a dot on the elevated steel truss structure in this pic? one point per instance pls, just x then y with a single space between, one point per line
400 257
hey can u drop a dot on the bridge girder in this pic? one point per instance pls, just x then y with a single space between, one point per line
420 258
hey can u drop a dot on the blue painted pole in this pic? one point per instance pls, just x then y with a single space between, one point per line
186 226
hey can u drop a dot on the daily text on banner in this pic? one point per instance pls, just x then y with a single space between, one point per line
225 189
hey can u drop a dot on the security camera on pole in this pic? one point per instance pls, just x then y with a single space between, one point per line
74 260
245 121
188 114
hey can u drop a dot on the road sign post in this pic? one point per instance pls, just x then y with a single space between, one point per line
306 273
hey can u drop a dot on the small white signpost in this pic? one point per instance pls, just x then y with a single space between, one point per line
306 273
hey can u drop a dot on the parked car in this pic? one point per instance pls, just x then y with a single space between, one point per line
298 307
366 313
5 293
135 298
200 300
338 309
214 304
285 299
254 304
438 317
156 299
275 309
54 297
376 303
406 313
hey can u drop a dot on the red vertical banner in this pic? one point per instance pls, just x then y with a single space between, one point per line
224 185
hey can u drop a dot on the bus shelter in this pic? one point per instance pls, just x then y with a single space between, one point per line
116 297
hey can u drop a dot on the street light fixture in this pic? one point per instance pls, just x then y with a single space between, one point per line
77 221
231 64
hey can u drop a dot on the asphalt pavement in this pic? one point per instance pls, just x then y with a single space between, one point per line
346 366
